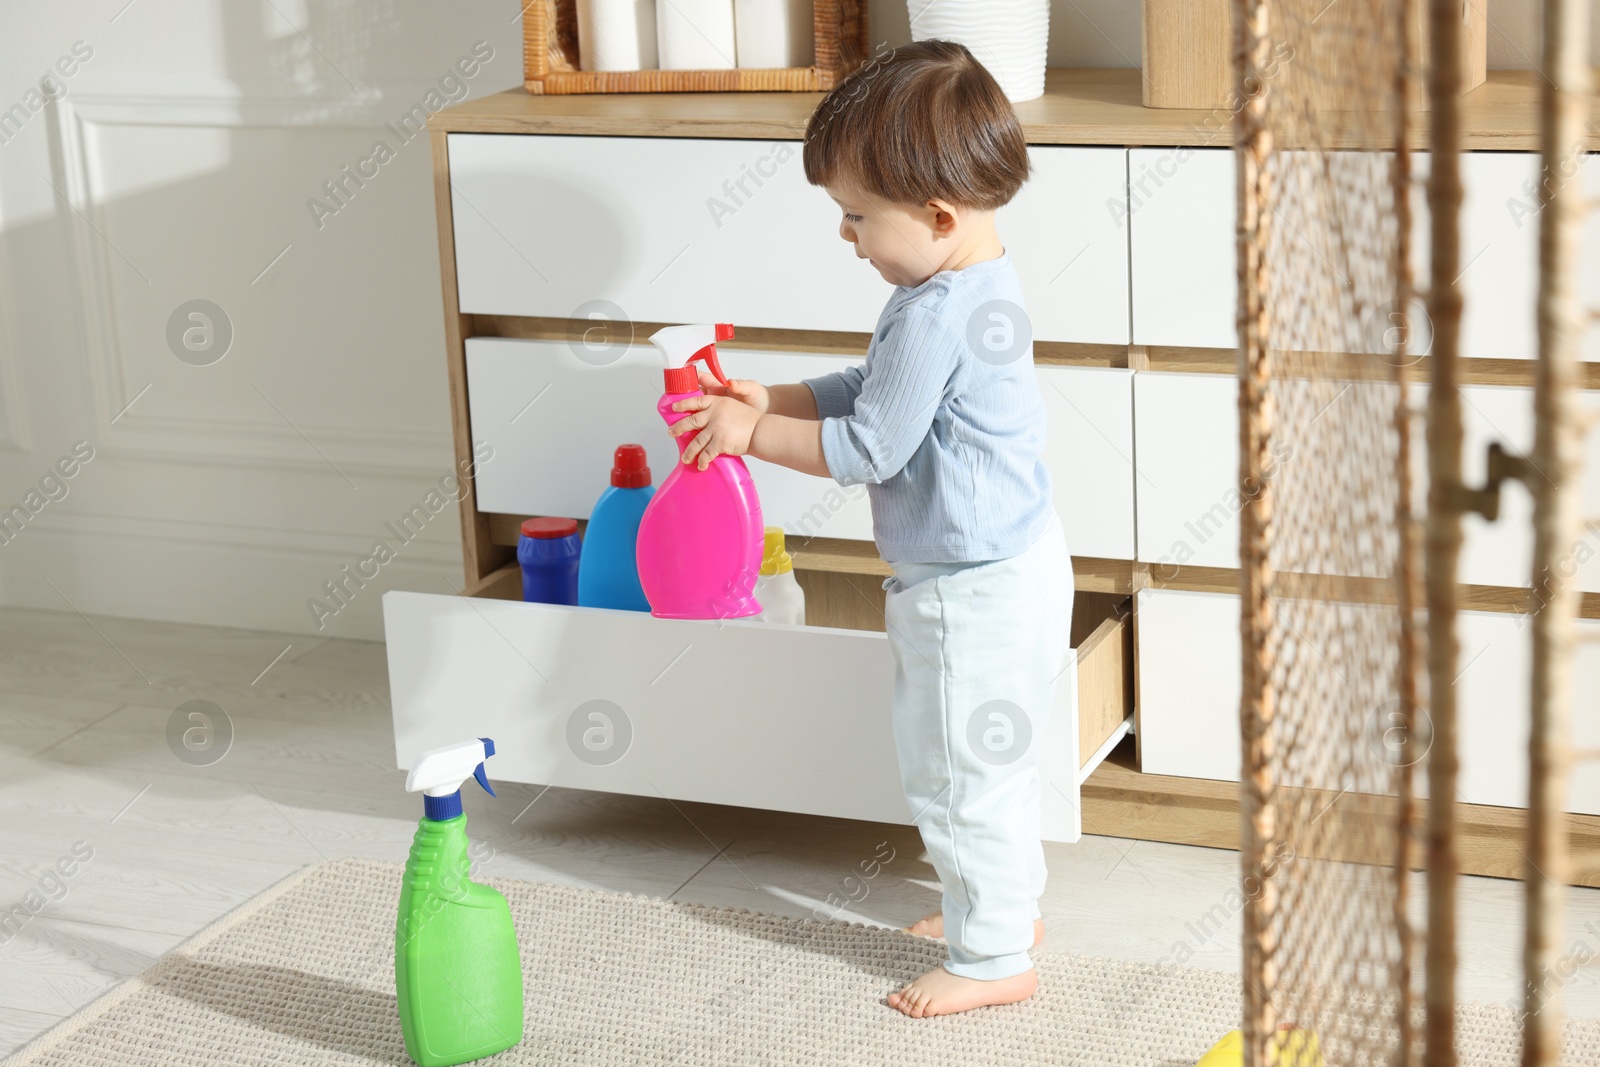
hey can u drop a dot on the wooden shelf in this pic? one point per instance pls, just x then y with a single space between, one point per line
1289 584
1121 801
767 339
1080 106
839 556
1470 370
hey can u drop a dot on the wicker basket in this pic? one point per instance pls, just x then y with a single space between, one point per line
550 57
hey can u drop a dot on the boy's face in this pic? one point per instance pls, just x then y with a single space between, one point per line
900 240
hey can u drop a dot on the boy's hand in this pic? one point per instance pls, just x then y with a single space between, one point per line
725 426
741 389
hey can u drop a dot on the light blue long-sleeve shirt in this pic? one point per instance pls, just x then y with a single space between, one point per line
944 423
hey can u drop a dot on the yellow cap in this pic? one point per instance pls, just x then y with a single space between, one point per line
774 558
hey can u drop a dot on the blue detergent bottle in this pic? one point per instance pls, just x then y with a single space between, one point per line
608 569
548 550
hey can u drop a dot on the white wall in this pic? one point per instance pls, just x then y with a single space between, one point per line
178 166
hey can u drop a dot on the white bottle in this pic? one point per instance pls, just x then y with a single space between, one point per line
779 594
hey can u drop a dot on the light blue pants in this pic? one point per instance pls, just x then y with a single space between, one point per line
978 648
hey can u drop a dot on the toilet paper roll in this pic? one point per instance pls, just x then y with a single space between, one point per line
774 33
617 34
695 34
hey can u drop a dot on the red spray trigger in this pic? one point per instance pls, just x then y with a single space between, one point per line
709 352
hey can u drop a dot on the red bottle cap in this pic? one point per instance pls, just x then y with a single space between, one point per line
630 470
548 526
686 379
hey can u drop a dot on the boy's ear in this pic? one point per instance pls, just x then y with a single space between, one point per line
943 217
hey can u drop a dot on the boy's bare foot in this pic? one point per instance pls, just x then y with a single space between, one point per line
941 993
932 925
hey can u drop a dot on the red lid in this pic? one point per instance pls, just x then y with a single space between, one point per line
631 470
686 379
682 379
548 526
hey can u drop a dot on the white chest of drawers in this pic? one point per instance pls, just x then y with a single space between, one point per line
567 222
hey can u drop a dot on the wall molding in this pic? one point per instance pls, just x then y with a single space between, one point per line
125 432
14 425
436 544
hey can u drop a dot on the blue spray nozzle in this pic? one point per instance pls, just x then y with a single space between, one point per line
480 774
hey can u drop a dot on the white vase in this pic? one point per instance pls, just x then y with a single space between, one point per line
1009 37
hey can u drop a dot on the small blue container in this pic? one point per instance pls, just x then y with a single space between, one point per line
548 551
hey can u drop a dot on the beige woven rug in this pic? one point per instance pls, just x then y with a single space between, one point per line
303 974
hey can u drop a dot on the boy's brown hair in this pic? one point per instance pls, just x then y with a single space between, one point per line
921 122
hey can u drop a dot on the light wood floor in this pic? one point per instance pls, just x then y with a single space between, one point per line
84 710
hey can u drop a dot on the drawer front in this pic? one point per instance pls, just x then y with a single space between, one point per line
1089 450
1189 698
727 230
1182 211
1501 552
786 718
1064 234
1188 456
1188 667
1500 254
1181 220
1492 695
554 419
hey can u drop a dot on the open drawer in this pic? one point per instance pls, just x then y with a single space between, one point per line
786 718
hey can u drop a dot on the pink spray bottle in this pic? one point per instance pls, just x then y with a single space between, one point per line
700 539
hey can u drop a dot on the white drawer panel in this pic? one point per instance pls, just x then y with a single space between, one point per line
1182 214
1493 698
1501 552
1188 683
817 741
658 227
554 421
1181 211
1186 432
1064 235
1089 450
1188 455
544 225
1189 698
1500 254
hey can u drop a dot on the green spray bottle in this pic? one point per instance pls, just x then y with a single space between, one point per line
457 971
